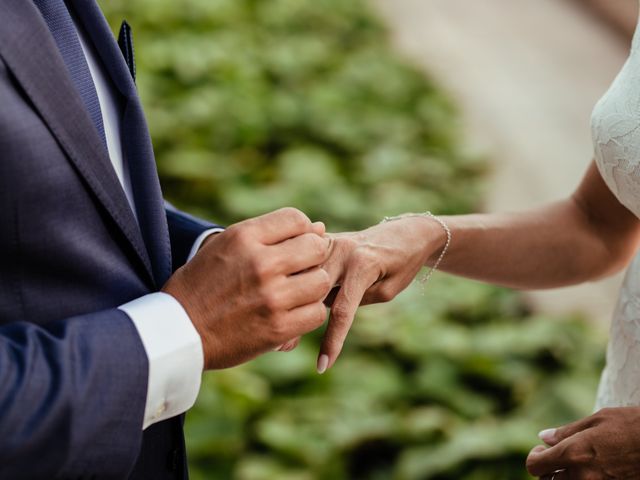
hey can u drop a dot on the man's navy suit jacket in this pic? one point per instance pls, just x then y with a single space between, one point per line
73 371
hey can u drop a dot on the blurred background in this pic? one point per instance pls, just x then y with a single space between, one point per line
352 110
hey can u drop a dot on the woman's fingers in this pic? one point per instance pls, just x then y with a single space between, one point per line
359 277
299 254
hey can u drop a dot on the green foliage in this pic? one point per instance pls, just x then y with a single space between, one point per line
258 104
254 105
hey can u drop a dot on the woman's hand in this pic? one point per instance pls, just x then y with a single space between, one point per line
373 266
603 446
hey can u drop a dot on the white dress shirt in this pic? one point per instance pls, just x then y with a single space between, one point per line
171 342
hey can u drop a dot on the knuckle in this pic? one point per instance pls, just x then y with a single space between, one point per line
340 314
317 246
238 233
243 239
320 315
601 416
605 412
324 281
298 218
261 268
577 455
276 265
278 331
348 242
265 303
386 293
364 259
361 256
531 466
572 454
272 303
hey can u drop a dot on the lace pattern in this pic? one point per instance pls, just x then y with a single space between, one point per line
615 128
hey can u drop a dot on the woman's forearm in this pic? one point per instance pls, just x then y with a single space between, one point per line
544 248
585 237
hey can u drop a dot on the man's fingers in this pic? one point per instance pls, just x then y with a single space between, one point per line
300 253
553 436
318 228
305 288
546 461
541 461
278 226
343 311
290 345
305 319
556 475
538 449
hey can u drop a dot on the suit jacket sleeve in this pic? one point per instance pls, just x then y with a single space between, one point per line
184 229
72 397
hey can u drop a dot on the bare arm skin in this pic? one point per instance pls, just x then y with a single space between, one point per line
584 237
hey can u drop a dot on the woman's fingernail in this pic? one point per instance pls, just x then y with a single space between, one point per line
323 363
547 435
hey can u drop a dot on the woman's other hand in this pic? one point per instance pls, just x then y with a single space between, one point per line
603 446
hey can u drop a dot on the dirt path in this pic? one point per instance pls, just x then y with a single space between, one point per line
526 75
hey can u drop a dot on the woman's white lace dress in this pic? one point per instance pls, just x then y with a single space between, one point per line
616 137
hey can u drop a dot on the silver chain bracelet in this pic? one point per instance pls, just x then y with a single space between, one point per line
427 276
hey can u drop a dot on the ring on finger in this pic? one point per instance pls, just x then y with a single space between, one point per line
553 475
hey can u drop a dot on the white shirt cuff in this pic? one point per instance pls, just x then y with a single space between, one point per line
174 350
200 240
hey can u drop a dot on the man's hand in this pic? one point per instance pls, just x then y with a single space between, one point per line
373 266
603 446
255 286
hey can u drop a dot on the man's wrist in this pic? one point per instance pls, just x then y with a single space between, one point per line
202 239
175 353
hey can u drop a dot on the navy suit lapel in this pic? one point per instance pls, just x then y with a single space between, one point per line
30 53
136 141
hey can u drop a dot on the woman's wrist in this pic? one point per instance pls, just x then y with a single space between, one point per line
431 234
439 239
